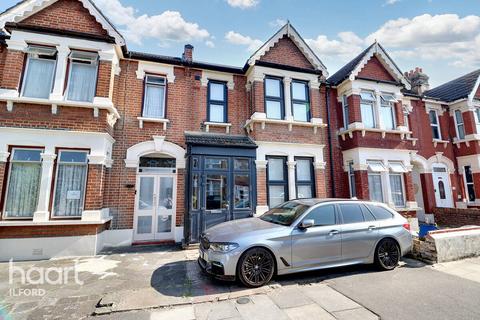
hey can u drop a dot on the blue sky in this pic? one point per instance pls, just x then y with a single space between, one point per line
441 36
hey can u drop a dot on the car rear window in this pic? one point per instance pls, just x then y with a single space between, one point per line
351 213
380 213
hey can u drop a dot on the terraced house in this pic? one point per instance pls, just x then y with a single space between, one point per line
102 146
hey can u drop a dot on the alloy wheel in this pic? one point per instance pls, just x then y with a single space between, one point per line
256 268
388 254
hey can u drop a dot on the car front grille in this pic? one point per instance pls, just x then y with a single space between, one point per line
204 243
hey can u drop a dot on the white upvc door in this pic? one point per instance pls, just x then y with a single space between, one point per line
442 186
155 207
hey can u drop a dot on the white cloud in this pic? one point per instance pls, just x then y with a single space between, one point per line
167 26
243 4
239 39
277 23
348 45
390 2
210 44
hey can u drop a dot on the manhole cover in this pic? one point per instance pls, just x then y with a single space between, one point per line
243 300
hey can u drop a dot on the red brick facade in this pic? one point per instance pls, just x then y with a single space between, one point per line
286 48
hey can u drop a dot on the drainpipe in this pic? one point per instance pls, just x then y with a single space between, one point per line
329 136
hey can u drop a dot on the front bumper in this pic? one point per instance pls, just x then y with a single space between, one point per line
219 265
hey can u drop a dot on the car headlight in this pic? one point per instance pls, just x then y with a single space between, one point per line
223 246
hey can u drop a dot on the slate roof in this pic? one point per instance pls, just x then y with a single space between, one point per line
456 89
215 139
345 71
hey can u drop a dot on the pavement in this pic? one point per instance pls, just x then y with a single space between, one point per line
166 283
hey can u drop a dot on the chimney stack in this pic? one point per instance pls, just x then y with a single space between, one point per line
188 53
419 80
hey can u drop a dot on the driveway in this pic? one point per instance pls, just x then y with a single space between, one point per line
165 283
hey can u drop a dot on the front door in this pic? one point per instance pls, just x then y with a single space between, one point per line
155 207
441 186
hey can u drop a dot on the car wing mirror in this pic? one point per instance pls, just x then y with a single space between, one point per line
307 223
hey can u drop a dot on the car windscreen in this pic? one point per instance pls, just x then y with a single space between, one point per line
285 213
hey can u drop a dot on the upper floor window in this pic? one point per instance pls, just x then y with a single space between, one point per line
82 80
346 117
274 98
154 97
386 111
217 101
39 72
477 119
459 124
434 124
367 103
300 101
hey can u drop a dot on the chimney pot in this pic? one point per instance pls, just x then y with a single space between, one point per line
188 53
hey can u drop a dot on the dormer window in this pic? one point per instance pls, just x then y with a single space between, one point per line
274 98
386 111
154 97
82 80
39 72
367 103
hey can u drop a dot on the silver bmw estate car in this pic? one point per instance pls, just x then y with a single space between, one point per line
302 235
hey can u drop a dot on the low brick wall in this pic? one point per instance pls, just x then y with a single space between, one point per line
455 217
425 250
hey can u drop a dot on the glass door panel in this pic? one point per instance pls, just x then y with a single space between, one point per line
165 207
144 208
216 199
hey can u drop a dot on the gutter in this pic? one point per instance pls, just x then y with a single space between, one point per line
329 136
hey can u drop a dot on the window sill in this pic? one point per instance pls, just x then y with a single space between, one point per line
56 222
259 117
467 140
141 120
439 141
13 96
225 125
358 126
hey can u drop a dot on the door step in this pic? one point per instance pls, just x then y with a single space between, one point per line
153 243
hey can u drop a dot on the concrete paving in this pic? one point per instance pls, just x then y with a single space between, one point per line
467 269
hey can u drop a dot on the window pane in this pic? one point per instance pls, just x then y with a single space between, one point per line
396 189
468 174
165 197
301 111
272 87
72 156
299 91
145 199
461 131
387 117
82 82
195 192
458 117
304 169
375 187
367 96
304 192
351 175
155 80
241 192
367 115
217 91
70 189
144 224
274 109
433 117
241 164
471 192
154 102
276 168
216 113
216 163
380 213
323 216
435 132
276 195
27 155
39 78
351 213
164 224
23 188
149 162
216 192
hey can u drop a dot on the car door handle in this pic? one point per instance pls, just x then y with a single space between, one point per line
333 232
372 227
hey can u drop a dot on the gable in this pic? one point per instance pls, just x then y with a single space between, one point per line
68 15
286 52
374 69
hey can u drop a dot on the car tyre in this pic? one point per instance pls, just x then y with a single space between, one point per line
387 254
256 267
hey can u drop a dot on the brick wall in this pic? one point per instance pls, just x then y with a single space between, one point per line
455 217
10 78
375 70
321 191
354 112
103 80
51 231
409 190
286 48
261 186
361 184
66 15
95 187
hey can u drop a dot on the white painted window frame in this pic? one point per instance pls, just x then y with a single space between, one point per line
345 112
390 105
155 85
390 196
437 126
476 114
25 72
70 68
459 124
373 104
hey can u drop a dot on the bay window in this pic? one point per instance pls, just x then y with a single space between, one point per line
82 80
304 178
397 170
39 72
375 186
387 113
434 124
274 105
459 124
217 101
70 183
300 101
277 180
367 105
23 183
154 97
469 183
346 118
